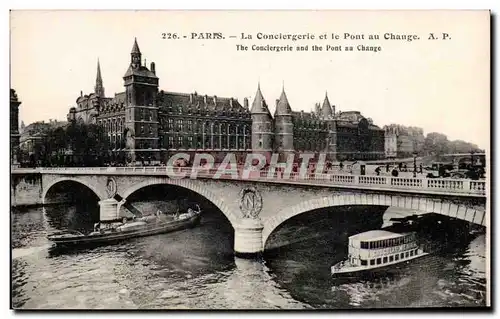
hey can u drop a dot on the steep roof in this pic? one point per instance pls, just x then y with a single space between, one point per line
259 105
175 99
283 107
326 109
140 71
135 48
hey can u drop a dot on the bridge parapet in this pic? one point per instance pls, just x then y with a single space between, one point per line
437 186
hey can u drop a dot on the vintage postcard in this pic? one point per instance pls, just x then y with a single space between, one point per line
250 159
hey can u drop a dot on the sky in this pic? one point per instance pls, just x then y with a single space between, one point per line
441 86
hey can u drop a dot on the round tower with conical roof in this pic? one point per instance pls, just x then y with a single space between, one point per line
283 126
262 124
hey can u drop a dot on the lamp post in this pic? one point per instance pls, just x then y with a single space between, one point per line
414 164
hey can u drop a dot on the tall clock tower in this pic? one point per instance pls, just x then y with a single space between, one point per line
141 111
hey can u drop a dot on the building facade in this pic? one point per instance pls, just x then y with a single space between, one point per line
147 125
402 141
14 128
34 134
341 136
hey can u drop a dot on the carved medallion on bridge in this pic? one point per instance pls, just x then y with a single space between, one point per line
250 202
111 187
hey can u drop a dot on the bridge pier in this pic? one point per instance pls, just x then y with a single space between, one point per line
108 209
248 238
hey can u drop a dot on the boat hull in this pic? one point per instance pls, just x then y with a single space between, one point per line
366 272
117 236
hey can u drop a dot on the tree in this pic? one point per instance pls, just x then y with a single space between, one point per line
435 144
75 143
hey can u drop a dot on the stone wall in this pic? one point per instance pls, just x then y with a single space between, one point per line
26 190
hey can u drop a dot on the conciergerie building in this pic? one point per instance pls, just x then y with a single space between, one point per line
146 125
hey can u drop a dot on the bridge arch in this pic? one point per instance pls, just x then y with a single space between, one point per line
192 186
422 205
101 194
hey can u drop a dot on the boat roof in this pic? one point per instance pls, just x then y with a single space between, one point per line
376 235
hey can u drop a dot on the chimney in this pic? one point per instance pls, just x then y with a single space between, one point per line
231 102
153 68
81 93
205 99
245 103
215 100
191 98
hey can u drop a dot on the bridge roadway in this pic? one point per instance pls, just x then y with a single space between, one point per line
438 186
283 197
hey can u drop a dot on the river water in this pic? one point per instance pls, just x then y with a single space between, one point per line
196 269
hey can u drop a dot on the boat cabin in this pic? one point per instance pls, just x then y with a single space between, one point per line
378 247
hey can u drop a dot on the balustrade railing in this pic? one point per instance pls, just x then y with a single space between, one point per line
372 180
445 183
406 182
361 181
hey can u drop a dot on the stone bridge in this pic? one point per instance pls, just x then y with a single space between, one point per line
283 198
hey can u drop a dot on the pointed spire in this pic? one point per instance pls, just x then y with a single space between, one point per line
99 87
326 109
98 78
135 48
283 107
259 104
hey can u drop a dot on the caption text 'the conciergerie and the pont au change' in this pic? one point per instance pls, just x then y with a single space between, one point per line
283 42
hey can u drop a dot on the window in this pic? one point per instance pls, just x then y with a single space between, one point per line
416 252
402 255
411 252
372 262
407 254
150 130
180 125
385 260
170 124
364 262
379 261
396 257
190 125
142 129
170 142
391 258
364 245
179 142
190 141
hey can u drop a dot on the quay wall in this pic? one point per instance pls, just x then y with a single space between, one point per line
26 191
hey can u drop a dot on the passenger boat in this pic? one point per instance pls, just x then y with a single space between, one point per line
378 250
138 227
